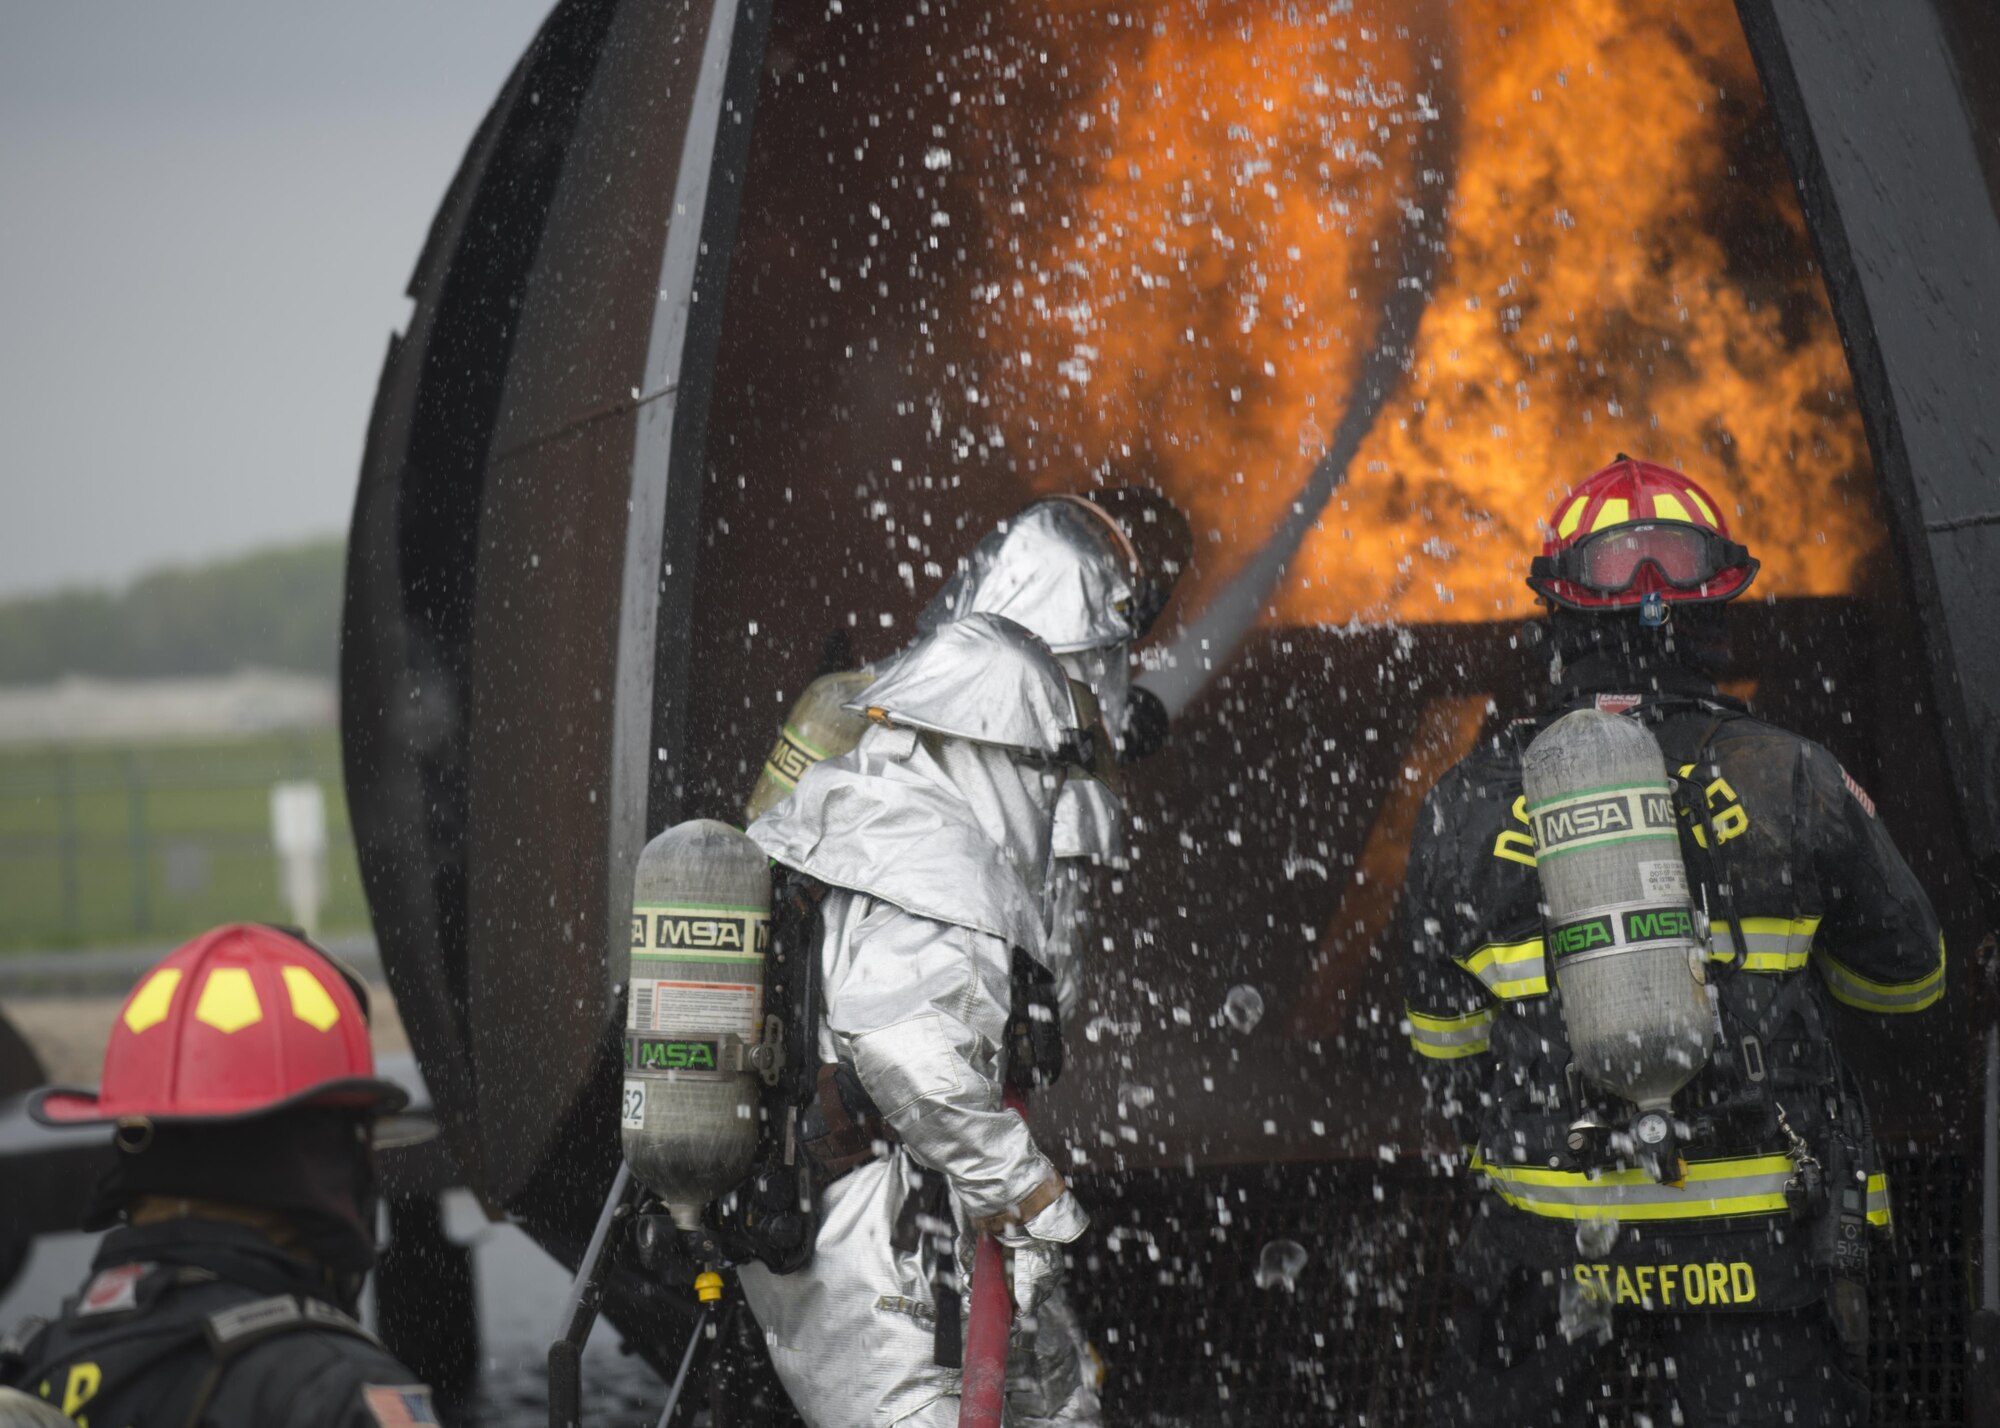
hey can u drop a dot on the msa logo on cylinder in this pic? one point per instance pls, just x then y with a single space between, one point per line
1632 928
1602 817
790 759
1660 924
653 1053
687 931
1585 936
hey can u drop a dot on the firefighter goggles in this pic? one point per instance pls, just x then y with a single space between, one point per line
1611 562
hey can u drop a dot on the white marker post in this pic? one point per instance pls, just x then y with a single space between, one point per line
298 833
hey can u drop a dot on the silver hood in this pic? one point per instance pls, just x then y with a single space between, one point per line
984 679
1061 567
947 829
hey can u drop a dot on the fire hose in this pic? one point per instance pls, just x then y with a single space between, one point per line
1413 230
984 1388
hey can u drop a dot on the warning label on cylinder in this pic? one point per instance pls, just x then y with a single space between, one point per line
1664 880
688 1008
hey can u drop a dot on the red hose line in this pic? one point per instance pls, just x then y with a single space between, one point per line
984 1391
985 1388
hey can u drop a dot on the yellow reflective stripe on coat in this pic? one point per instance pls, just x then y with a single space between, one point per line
1887 997
1746 1185
1447 1038
1878 1199
1771 944
1509 969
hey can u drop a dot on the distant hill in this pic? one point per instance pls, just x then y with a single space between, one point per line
277 608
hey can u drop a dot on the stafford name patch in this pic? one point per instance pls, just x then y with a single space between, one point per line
1695 1285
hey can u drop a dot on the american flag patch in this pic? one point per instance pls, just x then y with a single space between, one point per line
399 1407
1860 794
114 1290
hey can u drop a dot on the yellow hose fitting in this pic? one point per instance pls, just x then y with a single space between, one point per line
708 1286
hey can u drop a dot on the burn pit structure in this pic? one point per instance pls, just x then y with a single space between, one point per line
622 486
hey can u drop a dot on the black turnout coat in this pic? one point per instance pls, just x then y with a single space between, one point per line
1782 1179
200 1322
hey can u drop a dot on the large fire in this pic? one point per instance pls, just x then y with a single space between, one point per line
1191 223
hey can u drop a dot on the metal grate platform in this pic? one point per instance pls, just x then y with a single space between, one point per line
1167 1284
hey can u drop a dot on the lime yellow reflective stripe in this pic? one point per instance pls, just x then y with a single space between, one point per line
1614 512
1699 1172
1447 1038
1856 990
1748 1185
1450 1053
1509 969
1668 508
1878 1199
1771 944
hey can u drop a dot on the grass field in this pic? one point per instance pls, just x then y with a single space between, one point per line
101 845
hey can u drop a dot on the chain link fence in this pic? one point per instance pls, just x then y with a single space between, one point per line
102 845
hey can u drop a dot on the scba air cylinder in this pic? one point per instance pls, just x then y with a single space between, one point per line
1620 928
701 925
818 728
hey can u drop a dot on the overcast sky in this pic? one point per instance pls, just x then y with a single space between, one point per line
209 210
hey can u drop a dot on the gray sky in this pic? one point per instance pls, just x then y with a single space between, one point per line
209 210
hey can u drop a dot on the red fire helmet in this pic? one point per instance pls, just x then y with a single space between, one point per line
239 1022
1637 535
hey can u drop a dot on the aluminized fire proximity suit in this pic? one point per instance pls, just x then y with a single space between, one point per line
933 838
1089 576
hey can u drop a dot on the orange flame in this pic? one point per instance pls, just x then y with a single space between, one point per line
1199 239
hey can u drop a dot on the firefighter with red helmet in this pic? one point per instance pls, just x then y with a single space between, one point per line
241 1087
1727 1274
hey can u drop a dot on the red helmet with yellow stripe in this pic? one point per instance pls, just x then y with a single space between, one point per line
1639 536
241 1021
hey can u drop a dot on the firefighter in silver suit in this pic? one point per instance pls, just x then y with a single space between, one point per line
1089 574
932 840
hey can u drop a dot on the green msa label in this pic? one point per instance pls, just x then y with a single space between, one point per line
1631 927
1659 924
660 1053
1585 936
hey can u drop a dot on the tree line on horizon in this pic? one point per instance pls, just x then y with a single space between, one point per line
274 608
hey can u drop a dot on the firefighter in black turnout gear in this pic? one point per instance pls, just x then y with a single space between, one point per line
241 1082
1732 1282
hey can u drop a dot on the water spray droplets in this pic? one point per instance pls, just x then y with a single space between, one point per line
1282 1262
1138 1097
1243 1008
